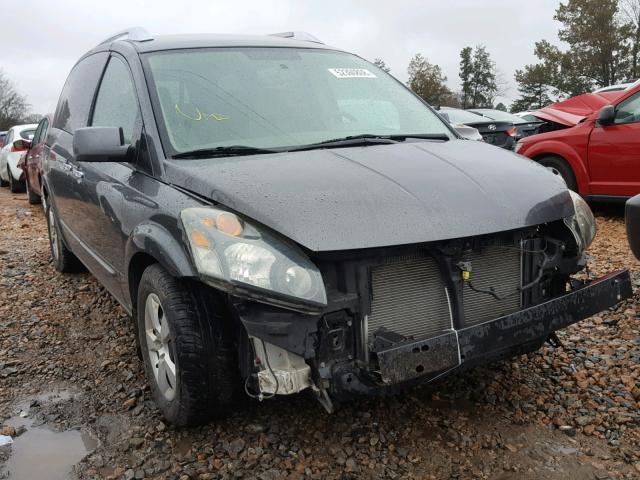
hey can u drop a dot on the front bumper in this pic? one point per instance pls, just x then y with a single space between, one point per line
422 361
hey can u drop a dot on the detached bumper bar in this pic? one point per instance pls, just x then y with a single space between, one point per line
428 359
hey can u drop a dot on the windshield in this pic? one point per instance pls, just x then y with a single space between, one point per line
278 98
461 117
500 116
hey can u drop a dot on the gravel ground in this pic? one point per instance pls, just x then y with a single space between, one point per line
67 358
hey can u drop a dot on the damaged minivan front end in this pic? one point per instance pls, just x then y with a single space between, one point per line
373 320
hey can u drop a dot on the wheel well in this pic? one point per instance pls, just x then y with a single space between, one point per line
138 264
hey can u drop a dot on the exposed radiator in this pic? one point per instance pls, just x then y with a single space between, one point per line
409 298
500 268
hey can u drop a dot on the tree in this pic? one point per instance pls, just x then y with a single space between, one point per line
466 75
630 16
598 42
13 106
381 65
501 106
427 81
479 77
485 88
534 86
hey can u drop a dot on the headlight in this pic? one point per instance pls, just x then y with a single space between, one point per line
224 248
582 223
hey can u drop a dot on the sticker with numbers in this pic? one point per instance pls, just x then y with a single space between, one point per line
351 73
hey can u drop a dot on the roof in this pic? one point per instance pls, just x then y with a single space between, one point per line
174 42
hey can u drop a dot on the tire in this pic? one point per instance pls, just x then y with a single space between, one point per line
34 198
3 182
63 259
186 323
562 168
16 186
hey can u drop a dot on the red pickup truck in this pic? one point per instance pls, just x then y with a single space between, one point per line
596 147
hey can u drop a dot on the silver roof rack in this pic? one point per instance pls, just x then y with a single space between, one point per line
136 34
302 36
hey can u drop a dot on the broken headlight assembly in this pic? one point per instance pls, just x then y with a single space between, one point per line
228 251
582 223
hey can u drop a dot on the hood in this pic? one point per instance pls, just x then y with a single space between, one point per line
574 110
374 196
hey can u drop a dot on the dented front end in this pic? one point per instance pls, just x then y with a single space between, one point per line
399 316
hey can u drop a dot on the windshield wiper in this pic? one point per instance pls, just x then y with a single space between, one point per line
369 139
224 151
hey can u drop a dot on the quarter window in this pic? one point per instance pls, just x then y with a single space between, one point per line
116 105
629 110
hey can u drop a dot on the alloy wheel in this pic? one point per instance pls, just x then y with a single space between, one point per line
159 346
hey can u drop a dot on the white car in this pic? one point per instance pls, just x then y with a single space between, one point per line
16 143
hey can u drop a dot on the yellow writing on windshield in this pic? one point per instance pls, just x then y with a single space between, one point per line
200 116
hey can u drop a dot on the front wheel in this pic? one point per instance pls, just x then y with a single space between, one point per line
560 167
188 357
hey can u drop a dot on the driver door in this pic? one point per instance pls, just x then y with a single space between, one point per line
614 152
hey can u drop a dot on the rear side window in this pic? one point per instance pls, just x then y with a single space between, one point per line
116 104
77 95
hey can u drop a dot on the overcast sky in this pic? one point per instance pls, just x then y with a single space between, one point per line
41 39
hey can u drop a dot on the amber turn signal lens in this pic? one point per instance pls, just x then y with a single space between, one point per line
209 222
228 223
199 239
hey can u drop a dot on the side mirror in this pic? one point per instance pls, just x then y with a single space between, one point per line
100 144
21 144
607 115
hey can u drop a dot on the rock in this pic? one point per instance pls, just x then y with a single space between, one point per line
129 475
130 403
235 447
568 430
10 431
136 442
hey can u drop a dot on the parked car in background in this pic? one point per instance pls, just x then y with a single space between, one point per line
468 133
17 142
598 150
3 136
31 161
498 133
279 215
525 128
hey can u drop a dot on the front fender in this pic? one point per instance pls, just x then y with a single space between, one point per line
165 247
568 153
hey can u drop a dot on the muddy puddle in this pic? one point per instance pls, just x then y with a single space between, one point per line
41 451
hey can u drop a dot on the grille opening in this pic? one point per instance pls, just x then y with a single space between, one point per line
499 268
409 298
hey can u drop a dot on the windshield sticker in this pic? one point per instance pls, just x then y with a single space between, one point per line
200 116
351 73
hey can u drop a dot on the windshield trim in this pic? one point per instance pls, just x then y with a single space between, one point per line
168 149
